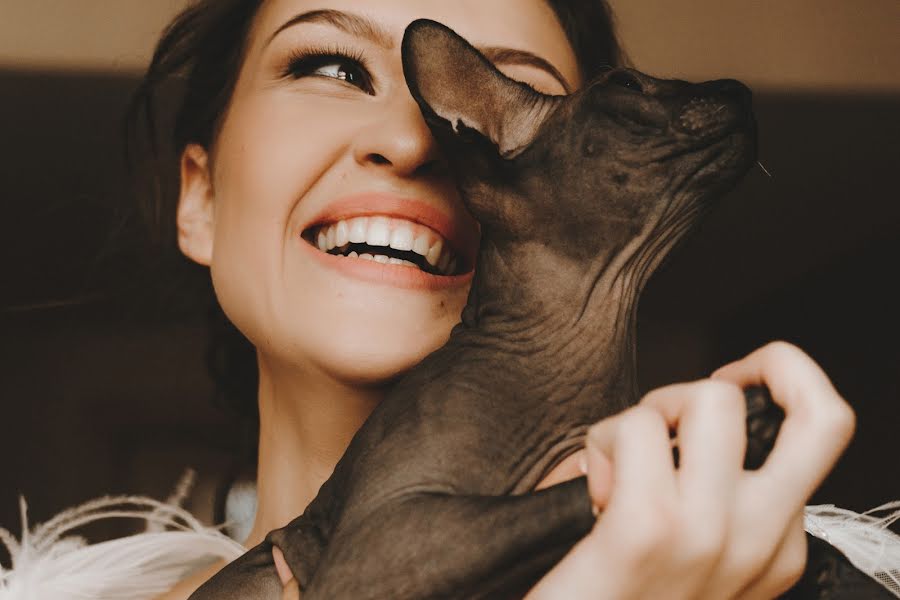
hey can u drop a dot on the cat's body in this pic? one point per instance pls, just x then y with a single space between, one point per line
579 199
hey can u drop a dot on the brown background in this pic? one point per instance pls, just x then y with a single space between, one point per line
105 390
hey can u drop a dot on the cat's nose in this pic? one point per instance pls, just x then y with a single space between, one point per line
734 90
714 107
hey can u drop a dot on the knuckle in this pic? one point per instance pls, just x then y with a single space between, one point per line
660 392
845 419
717 390
837 422
714 395
779 349
659 397
780 357
639 418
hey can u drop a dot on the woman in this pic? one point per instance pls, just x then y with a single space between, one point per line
298 108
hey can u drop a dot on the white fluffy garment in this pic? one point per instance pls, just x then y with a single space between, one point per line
865 539
49 563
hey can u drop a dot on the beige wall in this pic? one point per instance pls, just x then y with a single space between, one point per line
832 44
824 44
93 35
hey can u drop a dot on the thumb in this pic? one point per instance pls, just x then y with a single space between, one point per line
281 566
291 589
598 468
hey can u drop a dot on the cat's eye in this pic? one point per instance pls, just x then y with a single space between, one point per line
626 80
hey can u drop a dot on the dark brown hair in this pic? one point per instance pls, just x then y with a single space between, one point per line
200 55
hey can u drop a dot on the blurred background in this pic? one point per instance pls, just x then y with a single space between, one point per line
104 382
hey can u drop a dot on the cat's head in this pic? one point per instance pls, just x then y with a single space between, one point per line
627 157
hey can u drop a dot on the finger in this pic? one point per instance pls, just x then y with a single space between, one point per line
599 470
669 401
779 365
637 443
291 591
567 578
709 417
818 423
711 441
785 568
717 414
281 566
634 531
672 401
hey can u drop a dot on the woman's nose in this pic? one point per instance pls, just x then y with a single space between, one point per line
398 139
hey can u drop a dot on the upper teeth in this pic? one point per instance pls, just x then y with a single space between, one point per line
394 233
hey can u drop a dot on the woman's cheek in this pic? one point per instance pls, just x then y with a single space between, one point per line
276 164
265 168
241 274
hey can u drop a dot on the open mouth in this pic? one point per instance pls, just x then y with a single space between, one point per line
387 240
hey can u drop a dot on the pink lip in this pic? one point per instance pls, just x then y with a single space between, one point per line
462 239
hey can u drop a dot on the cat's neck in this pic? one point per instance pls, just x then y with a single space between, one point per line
553 320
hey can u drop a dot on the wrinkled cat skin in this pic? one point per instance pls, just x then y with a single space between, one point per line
579 199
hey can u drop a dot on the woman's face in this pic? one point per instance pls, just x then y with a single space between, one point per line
322 131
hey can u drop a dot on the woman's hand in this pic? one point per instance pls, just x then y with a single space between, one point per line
291 588
708 529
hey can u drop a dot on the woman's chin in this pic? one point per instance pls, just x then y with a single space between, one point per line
370 369
354 352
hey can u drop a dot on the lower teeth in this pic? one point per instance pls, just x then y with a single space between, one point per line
445 267
385 260
382 259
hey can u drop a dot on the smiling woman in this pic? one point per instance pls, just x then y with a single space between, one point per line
313 190
338 246
333 83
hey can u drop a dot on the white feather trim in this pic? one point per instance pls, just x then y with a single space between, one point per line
863 538
48 562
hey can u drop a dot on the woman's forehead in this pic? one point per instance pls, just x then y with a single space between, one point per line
529 25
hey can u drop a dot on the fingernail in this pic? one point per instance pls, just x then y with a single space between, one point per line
582 463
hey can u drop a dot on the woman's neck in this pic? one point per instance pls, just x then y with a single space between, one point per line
307 419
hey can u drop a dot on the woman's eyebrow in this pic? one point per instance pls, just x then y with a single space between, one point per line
361 26
350 23
510 56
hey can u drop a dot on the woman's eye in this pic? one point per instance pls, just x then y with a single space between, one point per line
332 67
342 71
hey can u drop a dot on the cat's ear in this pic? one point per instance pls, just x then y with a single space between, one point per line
459 89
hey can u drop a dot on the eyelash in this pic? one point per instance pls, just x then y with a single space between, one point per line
304 63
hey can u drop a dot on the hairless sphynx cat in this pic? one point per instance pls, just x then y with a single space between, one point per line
579 199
